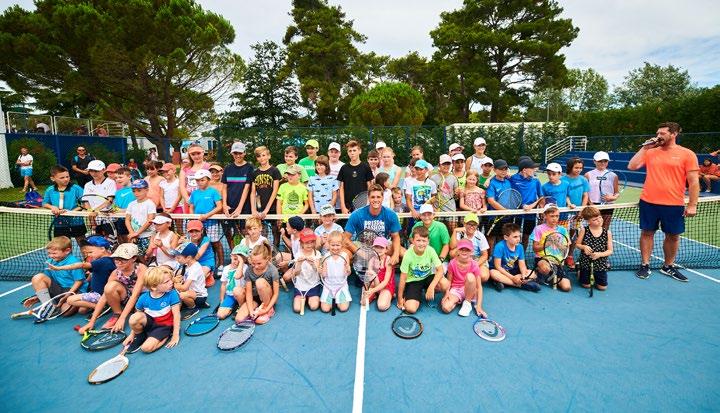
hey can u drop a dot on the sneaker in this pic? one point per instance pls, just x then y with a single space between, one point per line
187 313
671 271
111 321
570 262
530 286
465 309
498 286
644 272
265 317
209 280
136 343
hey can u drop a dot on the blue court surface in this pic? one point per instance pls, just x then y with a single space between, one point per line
643 345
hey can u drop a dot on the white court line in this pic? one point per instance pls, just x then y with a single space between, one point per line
360 362
14 290
660 259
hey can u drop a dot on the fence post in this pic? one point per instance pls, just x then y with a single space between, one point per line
57 149
544 149
123 151
220 148
614 143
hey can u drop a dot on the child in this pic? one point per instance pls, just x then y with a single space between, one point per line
307 260
291 155
254 234
292 196
465 282
447 185
235 192
25 163
439 237
322 188
355 177
157 315
400 207
233 277
164 242
525 182
291 238
416 273
382 179
473 197
556 188
459 172
373 160
328 225
508 262
578 190
196 162
190 282
261 287
336 265
420 189
206 201
604 186
265 183
111 171
416 154
170 190
216 172
105 190
595 244
139 215
384 286
476 160
551 217
334 162
388 166
496 186
61 197
153 179
709 173
123 197
481 248
308 162
205 255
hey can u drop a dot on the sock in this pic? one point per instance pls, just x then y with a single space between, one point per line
43 295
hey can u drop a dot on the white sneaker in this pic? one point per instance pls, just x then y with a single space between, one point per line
465 309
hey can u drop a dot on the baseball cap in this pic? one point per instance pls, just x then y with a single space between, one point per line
444 158
125 251
500 164
601 156
96 165
458 156
327 209
554 167
423 164
216 167
113 167
334 145
139 184
527 163
313 143
187 249
307 235
202 173
486 160
426 208
238 147
380 145
160 219
169 166
479 141
465 244
296 223
381 242
454 146
195 224
241 249
98 241
293 170
471 217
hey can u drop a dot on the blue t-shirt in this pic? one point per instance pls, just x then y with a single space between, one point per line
123 197
160 308
577 187
385 223
529 188
204 200
66 278
495 187
559 192
208 258
321 188
100 269
71 196
509 260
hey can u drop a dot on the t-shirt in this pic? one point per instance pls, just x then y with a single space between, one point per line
528 187
483 180
270 275
419 267
320 231
123 197
229 276
250 244
712 169
195 274
171 192
25 159
139 213
100 269
335 168
303 173
541 232
439 236
420 191
293 198
477 162
558 191
479 242
446 186
235 178
81 163
66 278
105 189
322 188
208 257
577 187
667 171
70 196
159 308
459 272
308 165
495 187
509 259
204 200
355 179
385 223
264 181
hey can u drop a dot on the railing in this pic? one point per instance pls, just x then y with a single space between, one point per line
563 146
22 122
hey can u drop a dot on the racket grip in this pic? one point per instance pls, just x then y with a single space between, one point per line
284 285
554 281
302 306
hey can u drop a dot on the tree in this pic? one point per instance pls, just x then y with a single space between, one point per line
322 55
388 104
156 65
494 51
588 90
653 83
269 97
424 76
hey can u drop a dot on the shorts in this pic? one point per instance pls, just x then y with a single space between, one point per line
228 302
56 289
26 171
178 210
600 277
213 229
526 223
342 297
91 297
120 226
414 289
458 292
200 301
670 218
313 292
70 231
143 244
156 331
233 226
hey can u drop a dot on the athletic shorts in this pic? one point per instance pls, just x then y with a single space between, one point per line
26 171
669 218
313 292
156 331
414 289
91 297
458 292
120 226
584 277
228 302
56 289
143 244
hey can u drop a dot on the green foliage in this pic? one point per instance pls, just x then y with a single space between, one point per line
43 159
653 84
388 104
100 152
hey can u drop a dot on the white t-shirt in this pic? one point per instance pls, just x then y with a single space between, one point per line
239 275
160 256
320 231
171 191
335 169
477 163
25 159
246 242
420 191
139 213
106 189
195 274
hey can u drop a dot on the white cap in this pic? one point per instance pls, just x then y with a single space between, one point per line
96 165
238 147
554 167
202 173
458 156
159 219
485 160
601 156
479 141
334 145
445 158
380 145
454 146
426 208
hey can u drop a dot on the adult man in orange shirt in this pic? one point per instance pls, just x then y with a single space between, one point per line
662 201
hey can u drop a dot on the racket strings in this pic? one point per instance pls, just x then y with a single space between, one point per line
236 336
407 327
109 369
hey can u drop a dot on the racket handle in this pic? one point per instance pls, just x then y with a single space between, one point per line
333 307
284 285
302 305
554 281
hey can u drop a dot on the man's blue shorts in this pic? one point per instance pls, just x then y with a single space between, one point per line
669 218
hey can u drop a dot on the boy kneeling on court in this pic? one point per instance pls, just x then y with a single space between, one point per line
416 273
157 315
508 262
191 283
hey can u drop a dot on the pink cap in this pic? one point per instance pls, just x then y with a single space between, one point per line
113 167
195 224
465 244
381 242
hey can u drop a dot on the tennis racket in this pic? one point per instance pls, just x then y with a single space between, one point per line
237 335
280 260
91 202
360 200
203 325
556 247
96 340
110 369
592 278
442 197
488 329
306 278
366 263
366 237
49 310
407 326
334 272
508 199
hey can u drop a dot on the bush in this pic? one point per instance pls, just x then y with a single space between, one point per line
43 159
99 152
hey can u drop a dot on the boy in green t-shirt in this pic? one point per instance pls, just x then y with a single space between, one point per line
416 269
438 232
308 162
292 197
291 155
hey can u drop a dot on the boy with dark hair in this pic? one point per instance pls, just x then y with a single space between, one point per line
354 176
63 196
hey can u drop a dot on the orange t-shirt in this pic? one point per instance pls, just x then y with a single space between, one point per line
667 171
710 170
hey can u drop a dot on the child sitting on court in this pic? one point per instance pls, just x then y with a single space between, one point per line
481 248
205 255
544 268
595 244
261 287
233 276
189 281
157 315
307 260
327 218
63 196
164 241
332 265
465 282
384 285
508 262
253 237
421 269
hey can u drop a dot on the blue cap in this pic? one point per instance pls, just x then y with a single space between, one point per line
241 249
296 223
98 241
422 163
139 184
187 249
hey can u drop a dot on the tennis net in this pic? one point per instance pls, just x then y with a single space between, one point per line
24 233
